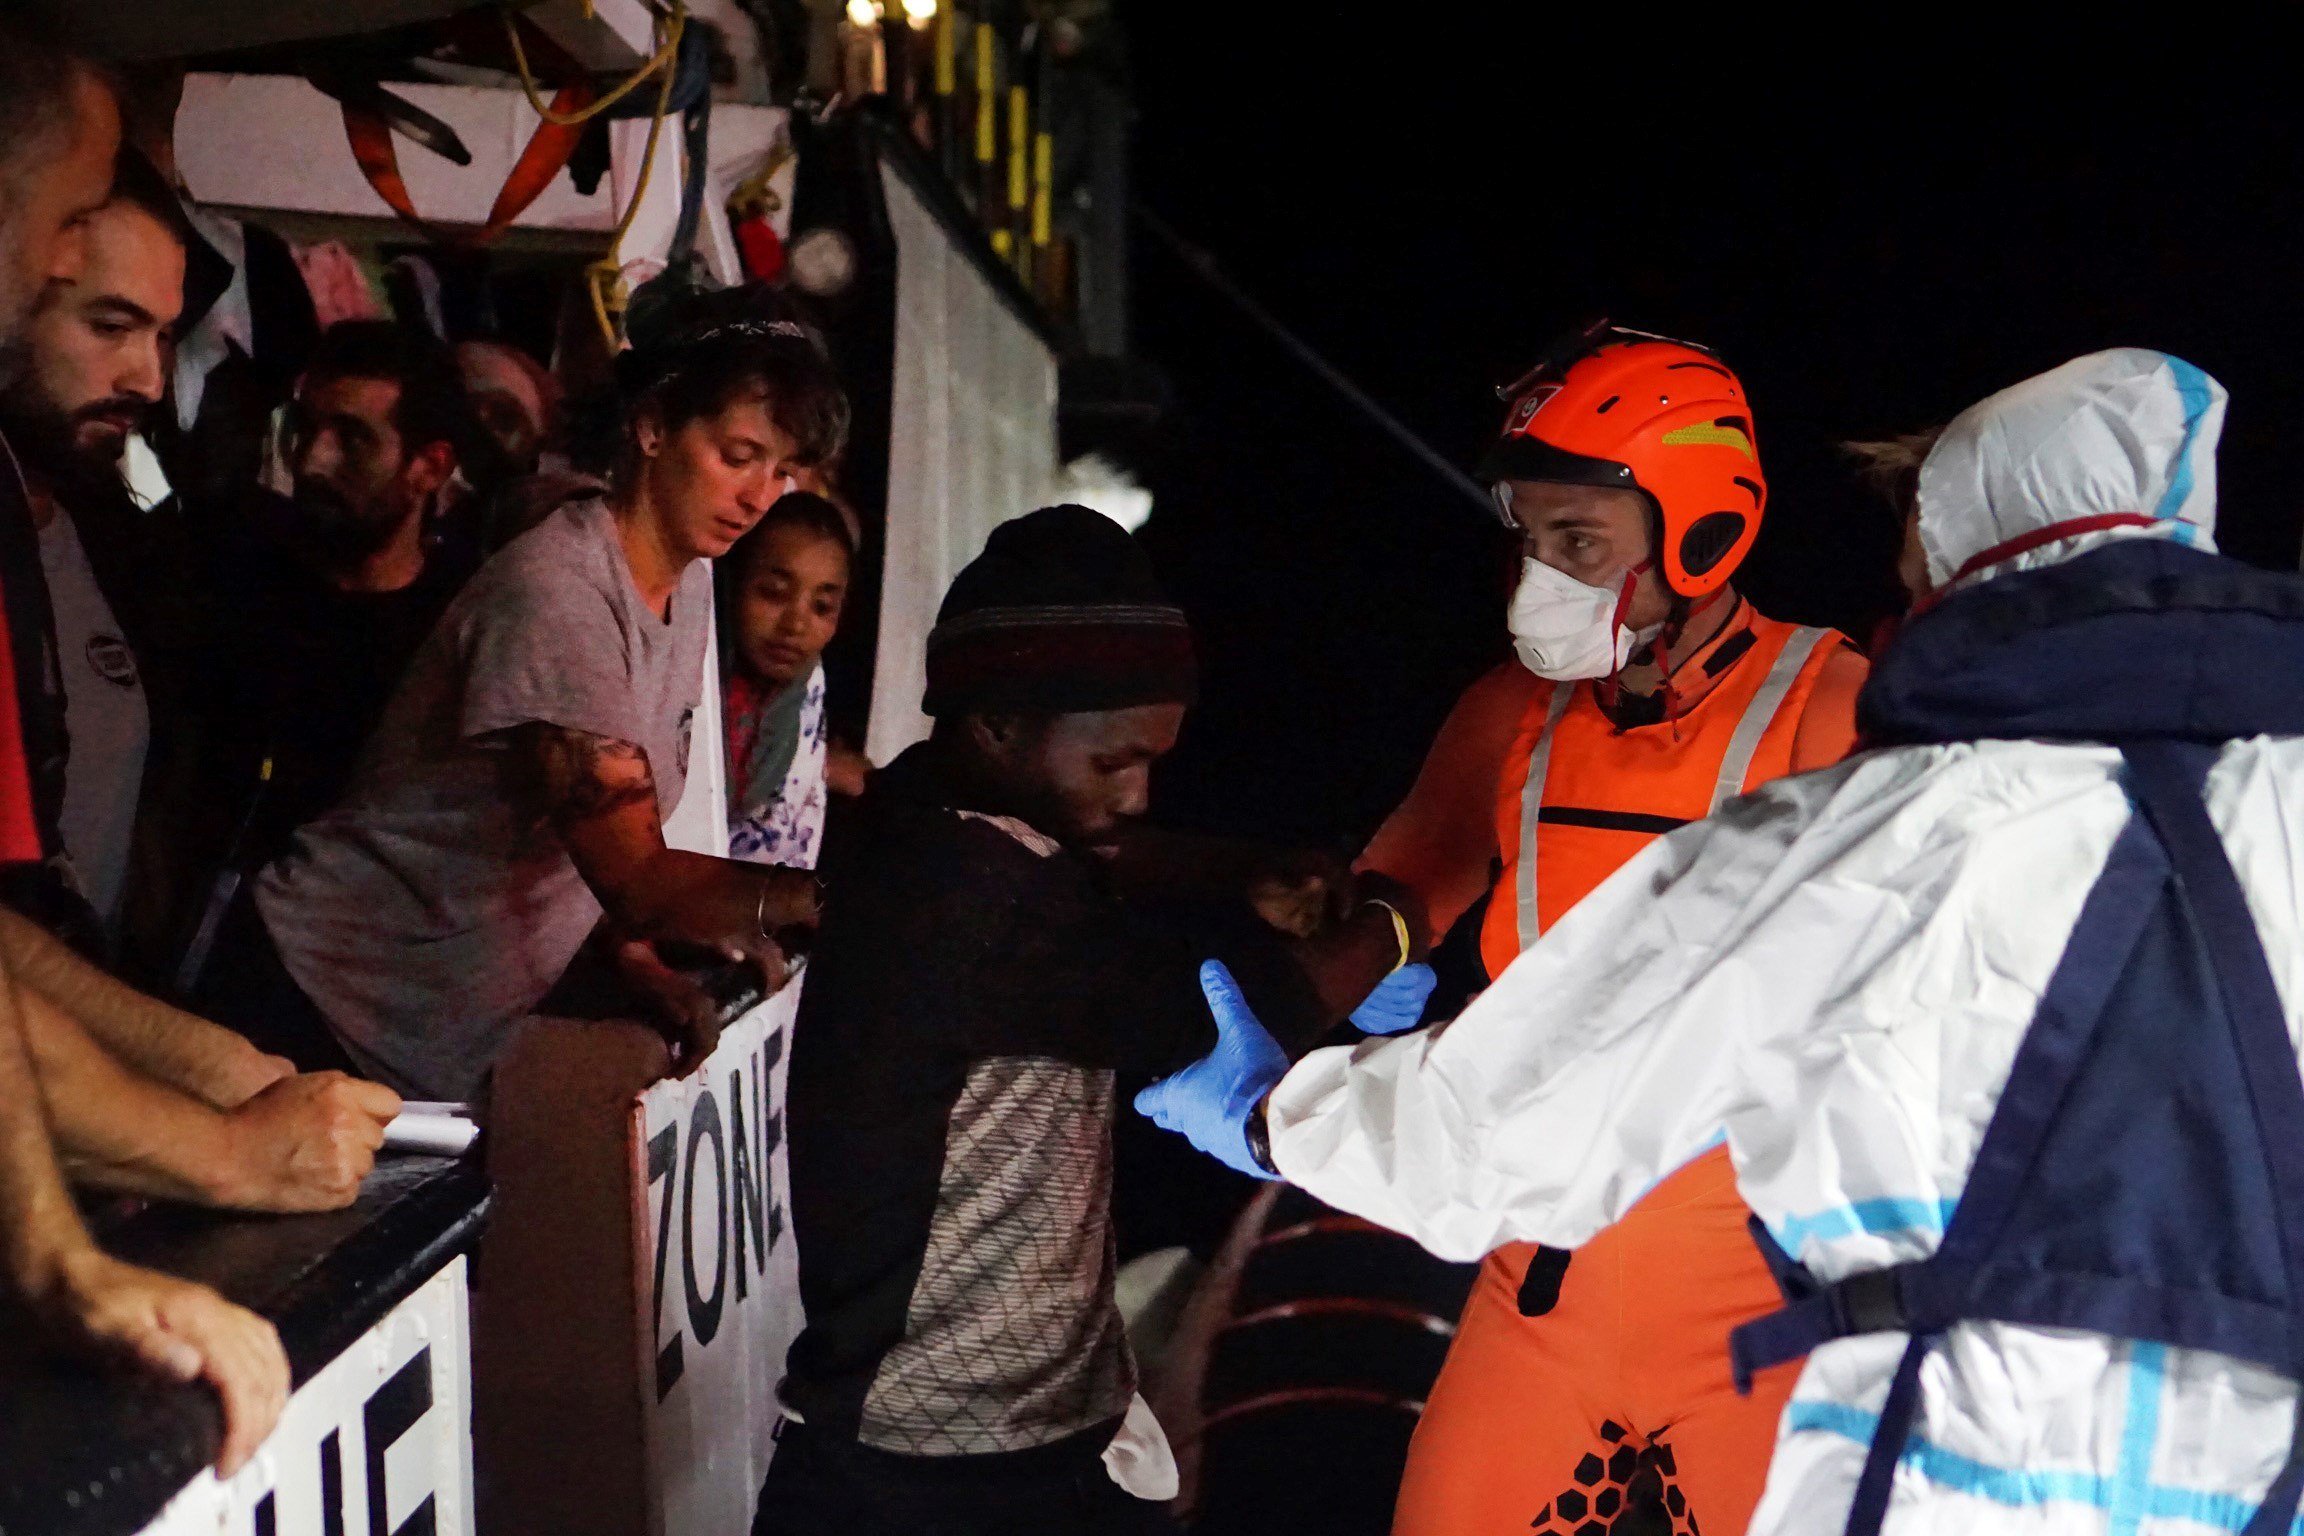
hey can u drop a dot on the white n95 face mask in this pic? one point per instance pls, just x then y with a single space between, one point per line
1565 629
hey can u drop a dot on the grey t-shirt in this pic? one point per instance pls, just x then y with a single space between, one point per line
433 908
104 715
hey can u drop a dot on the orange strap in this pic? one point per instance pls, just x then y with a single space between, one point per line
547 152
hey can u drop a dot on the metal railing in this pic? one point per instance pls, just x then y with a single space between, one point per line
1018 105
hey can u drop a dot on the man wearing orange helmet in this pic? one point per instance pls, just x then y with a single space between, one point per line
1645 692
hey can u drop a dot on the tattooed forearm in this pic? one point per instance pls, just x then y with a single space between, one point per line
583 777
600 801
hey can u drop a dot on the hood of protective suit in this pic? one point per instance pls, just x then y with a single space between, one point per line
2114 445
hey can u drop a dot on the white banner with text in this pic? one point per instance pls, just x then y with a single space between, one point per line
722 1277
379 1441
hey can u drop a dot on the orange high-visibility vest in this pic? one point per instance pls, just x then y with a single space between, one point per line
1631 1335
1578 797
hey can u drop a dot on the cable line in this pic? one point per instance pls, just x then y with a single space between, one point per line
1205 266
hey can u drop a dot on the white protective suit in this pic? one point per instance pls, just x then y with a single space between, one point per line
1834 973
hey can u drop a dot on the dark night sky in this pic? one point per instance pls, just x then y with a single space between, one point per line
1872 246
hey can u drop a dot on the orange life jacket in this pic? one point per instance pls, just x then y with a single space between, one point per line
1579 796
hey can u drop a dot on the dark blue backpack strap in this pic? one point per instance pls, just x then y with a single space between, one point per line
2113 916
1785 1334
2167 778
2276 1516
1870 1301
1927 1294
1897 1414
1791 1276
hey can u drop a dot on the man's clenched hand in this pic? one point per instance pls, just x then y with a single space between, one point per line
305 1143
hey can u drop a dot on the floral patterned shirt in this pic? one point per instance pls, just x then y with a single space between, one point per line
790 828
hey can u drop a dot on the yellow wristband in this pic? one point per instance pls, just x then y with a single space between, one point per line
1399 928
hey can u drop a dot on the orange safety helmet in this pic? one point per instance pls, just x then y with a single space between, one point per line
1627 410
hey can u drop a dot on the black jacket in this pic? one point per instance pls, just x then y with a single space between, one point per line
974 990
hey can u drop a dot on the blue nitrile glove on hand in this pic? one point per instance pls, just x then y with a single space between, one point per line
1397 1003
1208 1102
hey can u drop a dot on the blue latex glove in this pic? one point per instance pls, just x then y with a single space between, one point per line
1208 1102
1397 1003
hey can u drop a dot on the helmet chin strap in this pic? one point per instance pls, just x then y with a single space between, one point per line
1611 686
1682 612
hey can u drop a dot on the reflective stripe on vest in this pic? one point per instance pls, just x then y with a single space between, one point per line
1532 806
1735 763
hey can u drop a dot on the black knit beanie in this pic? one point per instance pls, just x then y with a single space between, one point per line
1061 614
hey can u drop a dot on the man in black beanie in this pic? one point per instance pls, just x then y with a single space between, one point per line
976 985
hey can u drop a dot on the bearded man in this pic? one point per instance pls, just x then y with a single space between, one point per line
310 607
92 363
324 595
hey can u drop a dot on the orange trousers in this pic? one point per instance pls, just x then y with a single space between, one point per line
1616 1401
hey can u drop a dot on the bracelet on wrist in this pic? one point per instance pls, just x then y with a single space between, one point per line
1399 928
1259 1133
